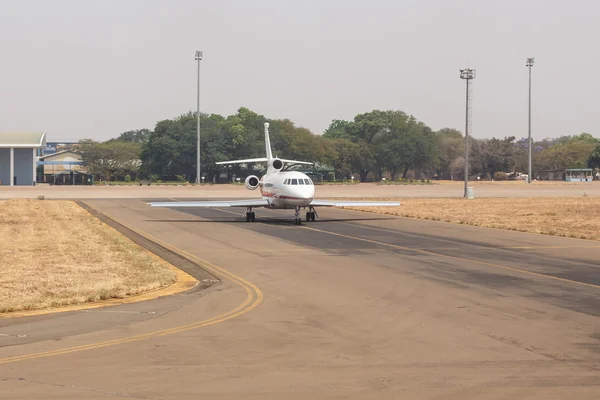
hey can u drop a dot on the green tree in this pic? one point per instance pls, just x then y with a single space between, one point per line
111 160
574 154
136 136
343 156
390 141
594 159
338 129
585 137
565 152
171 148
492 155
406 144
362 131
450 147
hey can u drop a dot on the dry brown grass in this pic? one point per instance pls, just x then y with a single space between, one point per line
54 253
524 183
577 217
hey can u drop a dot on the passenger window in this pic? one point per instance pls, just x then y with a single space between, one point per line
294 181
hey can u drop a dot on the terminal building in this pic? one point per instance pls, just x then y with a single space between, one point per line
63 168
18 157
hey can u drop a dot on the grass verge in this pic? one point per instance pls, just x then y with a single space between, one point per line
576 217
54 253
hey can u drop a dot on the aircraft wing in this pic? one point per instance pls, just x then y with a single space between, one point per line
212 204
334 203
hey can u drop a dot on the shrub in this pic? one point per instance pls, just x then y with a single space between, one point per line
500 176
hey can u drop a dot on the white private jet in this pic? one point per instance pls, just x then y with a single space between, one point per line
279 189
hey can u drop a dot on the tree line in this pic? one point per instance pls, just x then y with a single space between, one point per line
374 145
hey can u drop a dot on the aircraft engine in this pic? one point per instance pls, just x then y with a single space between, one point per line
277 163
251 182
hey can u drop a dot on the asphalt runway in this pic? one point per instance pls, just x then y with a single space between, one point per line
354 305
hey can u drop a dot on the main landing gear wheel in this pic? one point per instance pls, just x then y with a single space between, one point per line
310 216
250 216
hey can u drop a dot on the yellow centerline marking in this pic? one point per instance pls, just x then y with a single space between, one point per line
456 258
480 246
452 257
254 297
541 247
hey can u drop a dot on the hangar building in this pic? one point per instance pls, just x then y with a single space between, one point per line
18 157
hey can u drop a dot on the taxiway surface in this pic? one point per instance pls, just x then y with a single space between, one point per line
355 305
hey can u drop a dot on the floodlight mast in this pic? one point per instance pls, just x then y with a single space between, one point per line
529 144
467 74
198 58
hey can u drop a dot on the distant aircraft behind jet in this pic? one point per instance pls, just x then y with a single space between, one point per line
279 189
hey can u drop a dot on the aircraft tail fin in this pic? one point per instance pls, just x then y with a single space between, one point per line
268 142
268 159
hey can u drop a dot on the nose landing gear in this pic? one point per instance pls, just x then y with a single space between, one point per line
297 220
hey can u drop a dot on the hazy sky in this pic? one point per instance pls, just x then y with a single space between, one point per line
82 68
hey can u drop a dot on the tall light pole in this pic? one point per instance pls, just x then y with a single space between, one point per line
529 65
198 179
467 74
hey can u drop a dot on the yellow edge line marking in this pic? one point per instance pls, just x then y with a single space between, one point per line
181 285
254 297
456 258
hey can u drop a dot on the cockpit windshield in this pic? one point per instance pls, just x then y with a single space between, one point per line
298 181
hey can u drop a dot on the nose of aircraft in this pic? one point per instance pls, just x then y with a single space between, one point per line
309 193
304 192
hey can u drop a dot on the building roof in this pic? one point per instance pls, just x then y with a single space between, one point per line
60 153
71 172
22 139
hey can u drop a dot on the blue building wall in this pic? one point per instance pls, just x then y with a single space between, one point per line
24 166
5 166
